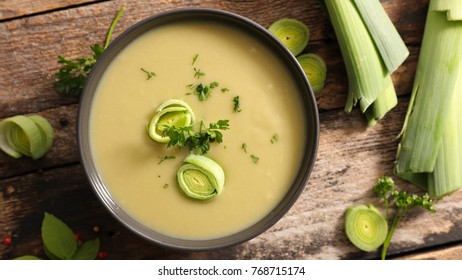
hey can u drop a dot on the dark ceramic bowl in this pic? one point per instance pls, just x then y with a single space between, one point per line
311 122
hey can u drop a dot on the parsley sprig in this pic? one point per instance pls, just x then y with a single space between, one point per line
71 77
401 202
197 141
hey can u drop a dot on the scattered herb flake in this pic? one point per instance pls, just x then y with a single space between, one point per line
165 186
224 90
275 138
213 85
194 58
149 74
198 73
237 105
162 159
255 159
244 147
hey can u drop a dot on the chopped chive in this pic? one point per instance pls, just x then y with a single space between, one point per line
194 58
165 186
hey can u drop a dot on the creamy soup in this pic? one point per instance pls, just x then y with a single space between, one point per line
129 161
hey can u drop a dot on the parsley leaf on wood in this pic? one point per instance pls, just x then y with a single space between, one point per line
71 77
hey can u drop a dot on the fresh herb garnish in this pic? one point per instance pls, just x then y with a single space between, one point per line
237 104
224 90
59 242
162 159
165 186
244 147
198 141
275 138
254 158
149 74
202 91
71 77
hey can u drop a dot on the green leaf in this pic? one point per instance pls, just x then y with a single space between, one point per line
87 251
58 238
28 258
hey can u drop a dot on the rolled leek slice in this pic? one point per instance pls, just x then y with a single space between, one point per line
173 112
292 33
315 69
365 227
200 177
30 136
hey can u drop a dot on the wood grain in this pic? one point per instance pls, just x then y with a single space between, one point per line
18 8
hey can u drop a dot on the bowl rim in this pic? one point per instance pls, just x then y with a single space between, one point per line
272 43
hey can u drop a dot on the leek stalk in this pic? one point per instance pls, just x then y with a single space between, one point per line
430 152
372 49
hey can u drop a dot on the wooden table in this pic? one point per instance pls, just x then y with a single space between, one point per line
350 159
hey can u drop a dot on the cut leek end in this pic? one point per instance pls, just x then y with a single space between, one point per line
386 101
200 177
173 112
365 227
30 136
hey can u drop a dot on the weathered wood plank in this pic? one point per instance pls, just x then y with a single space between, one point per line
351 157
29 46
446 253
18 8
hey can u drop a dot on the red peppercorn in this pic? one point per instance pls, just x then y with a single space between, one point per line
102 255
77 236
7 240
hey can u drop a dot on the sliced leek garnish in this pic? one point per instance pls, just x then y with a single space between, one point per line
315 69
173 112
365 227
200 177
30 136
292 33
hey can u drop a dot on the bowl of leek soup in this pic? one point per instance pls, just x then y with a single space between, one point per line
197 129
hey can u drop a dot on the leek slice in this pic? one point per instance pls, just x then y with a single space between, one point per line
315 69
30 136
201 177
292 33
173 112
365 227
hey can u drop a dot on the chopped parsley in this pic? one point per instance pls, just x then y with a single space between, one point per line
237 104
275 138
149 74
254 158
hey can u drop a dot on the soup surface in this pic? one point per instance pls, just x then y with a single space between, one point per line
129 162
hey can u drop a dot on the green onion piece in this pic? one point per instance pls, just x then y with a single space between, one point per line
315 69
31 136
365 227
200 178
173 112
292 33
430 152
